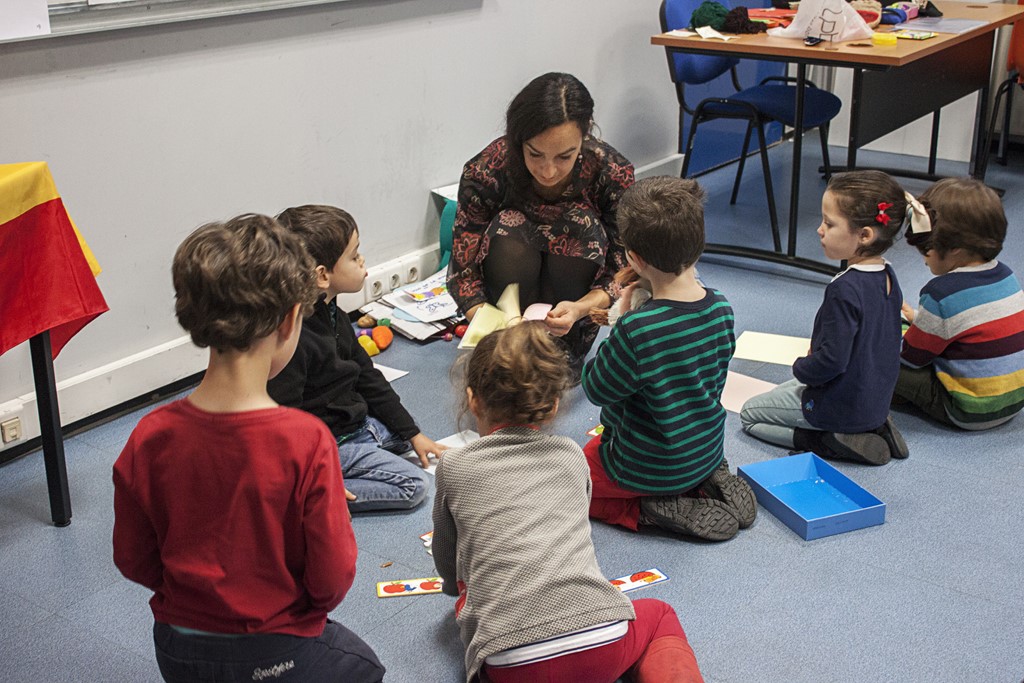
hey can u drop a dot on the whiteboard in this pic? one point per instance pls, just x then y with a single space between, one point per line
69 17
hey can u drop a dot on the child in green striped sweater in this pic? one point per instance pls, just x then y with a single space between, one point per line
658 379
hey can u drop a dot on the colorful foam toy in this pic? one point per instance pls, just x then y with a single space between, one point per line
367 344
382 336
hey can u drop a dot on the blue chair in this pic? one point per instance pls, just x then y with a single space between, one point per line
773 99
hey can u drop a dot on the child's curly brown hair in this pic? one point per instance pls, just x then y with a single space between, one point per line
234 282
518 374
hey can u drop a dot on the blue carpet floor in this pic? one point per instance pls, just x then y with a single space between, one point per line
935 594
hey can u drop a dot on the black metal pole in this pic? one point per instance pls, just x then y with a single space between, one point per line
49 426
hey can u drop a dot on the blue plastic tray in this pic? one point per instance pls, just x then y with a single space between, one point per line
811 497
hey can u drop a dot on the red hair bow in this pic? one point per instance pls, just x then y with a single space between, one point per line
882 216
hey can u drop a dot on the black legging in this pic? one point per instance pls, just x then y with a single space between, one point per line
542 277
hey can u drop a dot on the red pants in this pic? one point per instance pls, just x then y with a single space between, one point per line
654 619
608 502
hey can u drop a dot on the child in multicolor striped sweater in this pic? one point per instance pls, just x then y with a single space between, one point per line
963 356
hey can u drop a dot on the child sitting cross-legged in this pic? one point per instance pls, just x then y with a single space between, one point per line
512 540
963 356
332 377
229 507
659 378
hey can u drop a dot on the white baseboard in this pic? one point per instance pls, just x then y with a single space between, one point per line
670 165
94 391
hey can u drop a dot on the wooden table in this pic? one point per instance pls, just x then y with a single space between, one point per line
48 292
892 86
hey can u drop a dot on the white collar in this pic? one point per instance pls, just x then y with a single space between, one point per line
976 269
867 268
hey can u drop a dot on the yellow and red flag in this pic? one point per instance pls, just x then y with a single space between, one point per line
47 272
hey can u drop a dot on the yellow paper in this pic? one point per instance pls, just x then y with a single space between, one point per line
490 318
771 348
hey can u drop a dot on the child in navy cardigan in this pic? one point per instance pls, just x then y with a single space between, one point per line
838 403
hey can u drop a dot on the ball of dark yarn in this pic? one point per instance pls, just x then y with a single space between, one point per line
709 14
738 21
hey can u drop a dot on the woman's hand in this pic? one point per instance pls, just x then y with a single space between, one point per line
471 312
562 317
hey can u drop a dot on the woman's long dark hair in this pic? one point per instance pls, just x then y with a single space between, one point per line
547 101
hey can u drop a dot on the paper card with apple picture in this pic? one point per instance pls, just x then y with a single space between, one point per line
395 589
643 579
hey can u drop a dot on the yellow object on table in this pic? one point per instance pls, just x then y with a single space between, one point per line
883 39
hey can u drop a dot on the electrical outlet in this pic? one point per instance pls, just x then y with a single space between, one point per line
378 283
410 267
10 430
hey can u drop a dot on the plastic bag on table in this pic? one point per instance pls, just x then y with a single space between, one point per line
832 21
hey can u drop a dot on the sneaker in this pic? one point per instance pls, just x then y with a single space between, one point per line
866 447
897 445
733 491
704 518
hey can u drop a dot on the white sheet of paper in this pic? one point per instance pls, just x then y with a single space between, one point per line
23 18
682 33
708 33
771 348
454 441
739 388
431 306
390 374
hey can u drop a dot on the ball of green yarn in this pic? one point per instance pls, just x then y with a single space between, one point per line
709 14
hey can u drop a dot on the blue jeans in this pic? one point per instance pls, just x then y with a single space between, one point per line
380 479
772 416
337 654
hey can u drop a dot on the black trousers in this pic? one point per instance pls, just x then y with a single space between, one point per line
335 655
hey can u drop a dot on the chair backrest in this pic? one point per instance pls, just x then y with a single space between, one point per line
1015 55
688 68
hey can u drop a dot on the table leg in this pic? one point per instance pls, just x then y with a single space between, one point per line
798 140
974 168
49 425
854 134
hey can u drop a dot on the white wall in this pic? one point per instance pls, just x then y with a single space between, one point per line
151 132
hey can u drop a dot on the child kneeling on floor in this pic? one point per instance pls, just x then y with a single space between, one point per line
230 508
838 404
963 356
512 540
659 376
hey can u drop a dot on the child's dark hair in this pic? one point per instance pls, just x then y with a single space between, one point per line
546 101
234 282
325 230
662 220
518 374
965 214
870 199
